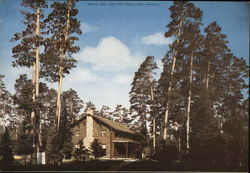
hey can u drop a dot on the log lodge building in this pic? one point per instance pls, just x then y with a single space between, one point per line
117 140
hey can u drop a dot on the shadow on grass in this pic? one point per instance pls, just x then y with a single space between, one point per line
140 165
150 165
94 165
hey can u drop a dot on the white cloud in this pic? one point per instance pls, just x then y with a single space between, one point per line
88 28
159 65
109 55
98 89
80 77
122 79
156 39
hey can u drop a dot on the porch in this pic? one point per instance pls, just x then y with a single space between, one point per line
124 149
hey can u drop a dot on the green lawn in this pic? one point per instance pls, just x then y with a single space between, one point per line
95 165
107 165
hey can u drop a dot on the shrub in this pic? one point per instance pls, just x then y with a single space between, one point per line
97 150
165 151
81 153
6 150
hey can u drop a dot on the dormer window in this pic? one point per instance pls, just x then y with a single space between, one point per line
103 133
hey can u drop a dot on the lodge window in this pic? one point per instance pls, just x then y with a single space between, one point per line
104 146
77 133
103 133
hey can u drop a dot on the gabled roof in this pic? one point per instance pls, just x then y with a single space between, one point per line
114 125
118 127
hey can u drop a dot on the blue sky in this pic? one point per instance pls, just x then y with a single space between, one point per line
117 37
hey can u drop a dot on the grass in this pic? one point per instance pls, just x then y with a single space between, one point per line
150 165
94 165
139 165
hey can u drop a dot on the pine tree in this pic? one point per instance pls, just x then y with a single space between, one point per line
105 112
23 99
24 142
63 27
90 105
215 47
6 105
235 71
48 105
140 94
183 14
96 149
81 153
72 105
61 146
53 155
121 115
6 149
27 54
193 40
205 125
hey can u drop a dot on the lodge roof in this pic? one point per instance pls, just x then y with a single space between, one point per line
118 127
114 125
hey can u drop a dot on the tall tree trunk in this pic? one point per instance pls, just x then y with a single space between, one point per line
189 102
2 119
152 98
4 128
170 85
32 118
59 92
208 75
62 57
37 65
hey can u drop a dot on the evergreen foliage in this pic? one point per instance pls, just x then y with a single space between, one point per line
140 94
90 105
105 112
72 105
198 101
81 153
24 51
215 70
6 149
61 41
96 149
121 115
24 145
53 153
7 114
165 151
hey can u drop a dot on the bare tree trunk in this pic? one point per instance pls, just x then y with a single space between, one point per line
59 92
32 118
4 128
179 144
170 85
152 98
241 160
208 75
154 133
2 119
37 65
62 57
189 102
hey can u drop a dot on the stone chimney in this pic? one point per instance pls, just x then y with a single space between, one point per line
89 129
